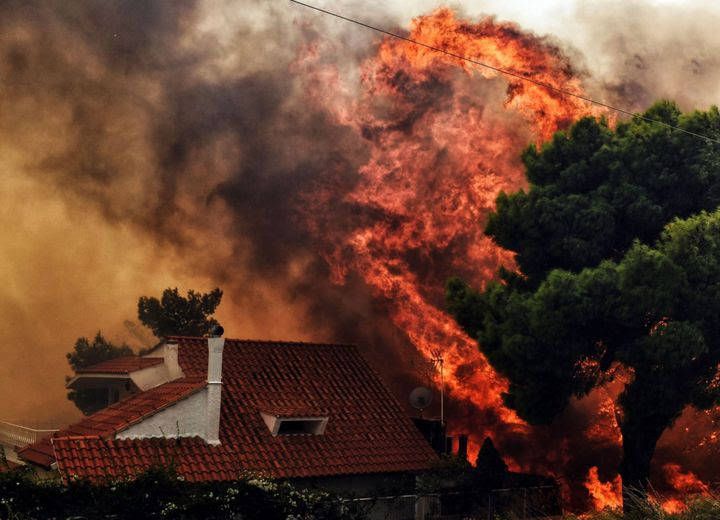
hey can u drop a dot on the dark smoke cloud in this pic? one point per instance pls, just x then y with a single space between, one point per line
132 116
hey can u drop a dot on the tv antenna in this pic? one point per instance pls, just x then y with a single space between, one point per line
420 398
439 362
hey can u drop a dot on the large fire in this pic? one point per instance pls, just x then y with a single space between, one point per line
442 145
443 139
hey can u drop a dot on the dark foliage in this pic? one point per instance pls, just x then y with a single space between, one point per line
490 467
159 493
602 284
594 191
488 489
87 353
177 315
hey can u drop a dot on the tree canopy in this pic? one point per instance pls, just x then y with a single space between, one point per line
87 353
594 190
176 315
603 281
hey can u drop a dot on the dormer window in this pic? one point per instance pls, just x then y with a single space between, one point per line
290 425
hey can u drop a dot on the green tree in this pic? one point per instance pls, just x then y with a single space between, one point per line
87 353
591 292
593 191
177 315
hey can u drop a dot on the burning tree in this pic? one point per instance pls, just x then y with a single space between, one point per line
604 280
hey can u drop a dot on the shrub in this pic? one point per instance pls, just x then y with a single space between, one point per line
161 494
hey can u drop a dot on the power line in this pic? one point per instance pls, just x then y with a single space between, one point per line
505 71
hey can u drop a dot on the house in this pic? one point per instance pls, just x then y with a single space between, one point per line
215 408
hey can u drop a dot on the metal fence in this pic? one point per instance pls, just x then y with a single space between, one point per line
20 436
540 502
524 503
401 507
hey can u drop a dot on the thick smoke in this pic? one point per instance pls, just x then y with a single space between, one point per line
148 145
153 144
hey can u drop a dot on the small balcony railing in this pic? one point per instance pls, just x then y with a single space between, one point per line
21 436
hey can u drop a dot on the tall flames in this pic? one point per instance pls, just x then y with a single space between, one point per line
444 136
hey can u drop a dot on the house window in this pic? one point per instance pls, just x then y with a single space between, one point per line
294 425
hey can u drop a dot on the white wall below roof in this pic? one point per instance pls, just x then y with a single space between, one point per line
185 418
150 377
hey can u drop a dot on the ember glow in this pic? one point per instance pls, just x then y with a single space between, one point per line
684 484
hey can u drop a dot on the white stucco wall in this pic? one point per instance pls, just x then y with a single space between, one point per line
186 418
150 377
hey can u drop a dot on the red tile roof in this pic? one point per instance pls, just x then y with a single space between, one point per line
367 430
99 459
121 365
8 465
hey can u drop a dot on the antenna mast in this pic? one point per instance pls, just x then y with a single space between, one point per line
440 362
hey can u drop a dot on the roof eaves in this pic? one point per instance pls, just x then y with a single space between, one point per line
164 406
97 375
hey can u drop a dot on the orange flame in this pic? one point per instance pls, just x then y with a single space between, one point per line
605 495
684 484
442 145
673 505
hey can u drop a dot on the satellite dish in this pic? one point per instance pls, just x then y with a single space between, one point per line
420 398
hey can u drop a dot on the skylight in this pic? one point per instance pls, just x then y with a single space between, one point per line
288 425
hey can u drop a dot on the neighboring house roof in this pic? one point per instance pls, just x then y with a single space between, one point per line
367 430
121 365
116 417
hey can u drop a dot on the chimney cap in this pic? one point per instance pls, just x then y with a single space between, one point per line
216 331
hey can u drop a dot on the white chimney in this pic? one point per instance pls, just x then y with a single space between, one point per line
171 361
214 389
